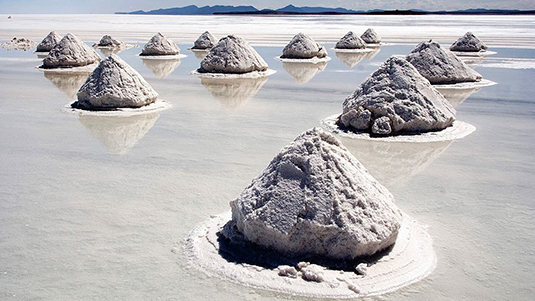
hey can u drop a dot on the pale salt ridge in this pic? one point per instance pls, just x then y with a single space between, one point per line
468 43
49 42
350 41
205 41
303 47
370 36
315 198
160 45
70 52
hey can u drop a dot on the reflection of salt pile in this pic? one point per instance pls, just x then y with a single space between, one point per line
49 42
457 96
162 68
119 134
70 52
160 45
233 93
67 83
371 37
350 41
440 66
109 51
468 43
19 44
114 84
204 41
303 72
303 47
396 99
108 41
352 59
200 54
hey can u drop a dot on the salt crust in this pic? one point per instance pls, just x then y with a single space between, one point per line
162 57
473 54
157 106
458 130
410 260
313 60
466 85
71 70
365 50
253 74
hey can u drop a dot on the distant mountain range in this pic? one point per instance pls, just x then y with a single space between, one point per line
307 10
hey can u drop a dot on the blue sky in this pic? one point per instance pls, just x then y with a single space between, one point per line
110 6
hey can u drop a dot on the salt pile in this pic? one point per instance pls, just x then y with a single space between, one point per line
371 37
204 42
396 99
440 66
315 198
350 41
19 44
468 43
49 42
114 84
70 52
303 47
108 41
160 45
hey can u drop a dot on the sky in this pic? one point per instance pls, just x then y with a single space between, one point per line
111 6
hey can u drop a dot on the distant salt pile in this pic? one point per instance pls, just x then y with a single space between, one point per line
350 41
468 43
114 84
315 198
205 41
70 52
160 45
19 44
303 47
440 66
234 55
371 37
49 42
108 41
396 99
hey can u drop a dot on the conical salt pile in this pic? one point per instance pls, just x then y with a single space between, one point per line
350 41
108 41
70 52
303 47
468 43
114 84
205 41
49 42
440 66
371 37
315 198
232 54
160 45
396 99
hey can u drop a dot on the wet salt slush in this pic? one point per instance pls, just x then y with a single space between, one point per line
81 222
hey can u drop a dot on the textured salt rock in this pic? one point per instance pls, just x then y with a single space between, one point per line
114 84
108 41
205 41
313 272
315 198
396 99
468 43
370 36
232 54
303 47
361 269
440 66
350 41
160 45
70 52
19 44
287 271
49 42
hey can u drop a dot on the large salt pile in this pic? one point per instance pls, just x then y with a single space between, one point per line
49 42
70 52
350 41
440 66
468 43
315 198
371 37
396 99
114 84
160 45
232 54
108 41
205 41
303 47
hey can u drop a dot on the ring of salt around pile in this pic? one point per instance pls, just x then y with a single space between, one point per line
199 50
411 259
473 54
162 57
465 85
253 74
458 130
157 106
72 70
313 60
363 50
377 45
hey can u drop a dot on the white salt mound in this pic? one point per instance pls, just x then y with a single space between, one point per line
315 198
114 84
303 47
468 43
232 54
49 42
371 37
205 41
440 66
108 41
160 45
19 44
396 99
70 52
350 41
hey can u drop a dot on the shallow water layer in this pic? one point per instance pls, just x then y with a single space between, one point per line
95 210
